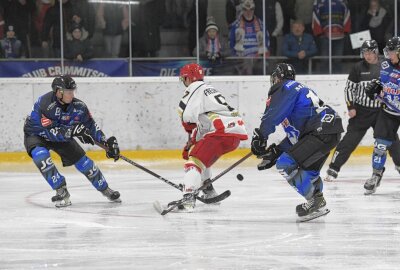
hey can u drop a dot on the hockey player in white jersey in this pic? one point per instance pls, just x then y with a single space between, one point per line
214 128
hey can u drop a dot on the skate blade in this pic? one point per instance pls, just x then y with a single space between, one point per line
62 204
115 201
314 215
329 179
369 192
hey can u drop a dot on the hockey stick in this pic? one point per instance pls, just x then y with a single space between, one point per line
215 199
205 184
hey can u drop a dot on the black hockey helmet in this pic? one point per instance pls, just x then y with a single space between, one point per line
393 44
283 71
369 46
63 82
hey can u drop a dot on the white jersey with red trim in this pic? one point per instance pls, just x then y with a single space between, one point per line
204 105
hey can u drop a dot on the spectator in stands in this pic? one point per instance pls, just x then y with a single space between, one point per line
176 13
38 20
114 20
377 20
147 18
10 45
18 13
357 8
192 17
304 12
78 49
83 13
298 47
212 46
288 14
233 11
340 26
52 29
246 34
274 15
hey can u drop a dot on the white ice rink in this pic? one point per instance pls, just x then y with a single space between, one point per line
255 228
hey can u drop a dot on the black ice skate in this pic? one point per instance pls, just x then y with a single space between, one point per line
209 192
313 208
61 199
331 175
111 195
372 183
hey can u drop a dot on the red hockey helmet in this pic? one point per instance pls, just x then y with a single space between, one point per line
193 71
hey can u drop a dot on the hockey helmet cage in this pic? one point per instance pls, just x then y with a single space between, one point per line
393 44
193 71
369 46
283 71
63 82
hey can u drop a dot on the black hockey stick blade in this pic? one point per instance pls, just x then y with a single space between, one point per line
215 199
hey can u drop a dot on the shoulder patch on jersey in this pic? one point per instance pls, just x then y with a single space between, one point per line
385 64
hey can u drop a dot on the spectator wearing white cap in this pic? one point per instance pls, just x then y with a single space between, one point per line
10 46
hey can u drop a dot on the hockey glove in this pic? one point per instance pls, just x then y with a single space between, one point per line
258 144
82 133
270 158
373 88
113 148
189 127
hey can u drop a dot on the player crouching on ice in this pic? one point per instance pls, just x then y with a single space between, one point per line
312 129
56 119
214 128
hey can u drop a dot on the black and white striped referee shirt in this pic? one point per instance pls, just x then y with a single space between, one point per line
359 77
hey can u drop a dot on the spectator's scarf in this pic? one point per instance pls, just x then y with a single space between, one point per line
213 45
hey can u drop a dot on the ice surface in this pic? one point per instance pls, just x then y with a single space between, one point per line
255 228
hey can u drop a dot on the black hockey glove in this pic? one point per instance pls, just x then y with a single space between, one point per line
373 88
113 148
82 133
258 144
270 158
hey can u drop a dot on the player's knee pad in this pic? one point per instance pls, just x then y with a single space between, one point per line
41 158
379 154
192 178
86 166
287 166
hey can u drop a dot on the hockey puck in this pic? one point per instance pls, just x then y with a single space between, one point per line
239 177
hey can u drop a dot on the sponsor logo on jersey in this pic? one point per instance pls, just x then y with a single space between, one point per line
210 91
394 75
51 106
45 121
65 117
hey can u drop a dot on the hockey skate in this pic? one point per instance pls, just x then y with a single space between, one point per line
373 182
61 199
209 192
313 208
111 195
331 175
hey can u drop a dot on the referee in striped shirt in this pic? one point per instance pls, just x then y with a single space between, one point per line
362 110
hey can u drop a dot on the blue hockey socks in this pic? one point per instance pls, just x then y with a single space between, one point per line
86 166
380 153
41 158
306 183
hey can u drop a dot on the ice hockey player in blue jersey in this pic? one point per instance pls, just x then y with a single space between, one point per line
388 121
56 119
312 129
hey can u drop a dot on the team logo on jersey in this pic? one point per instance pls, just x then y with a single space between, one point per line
45 121
385 65
65 117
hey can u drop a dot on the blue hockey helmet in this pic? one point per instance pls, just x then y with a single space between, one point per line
281 72
369 46
64 82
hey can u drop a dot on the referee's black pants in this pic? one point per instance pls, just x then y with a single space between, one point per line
365 118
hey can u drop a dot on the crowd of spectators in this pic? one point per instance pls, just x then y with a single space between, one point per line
297 29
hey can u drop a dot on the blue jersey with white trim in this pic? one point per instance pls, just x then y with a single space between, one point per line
54 121
299 110
390 79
